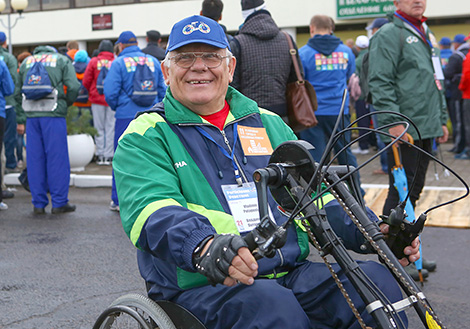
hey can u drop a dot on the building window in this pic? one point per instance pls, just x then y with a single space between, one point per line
55 4
88 3
117 2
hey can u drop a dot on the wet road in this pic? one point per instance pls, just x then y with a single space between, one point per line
61 271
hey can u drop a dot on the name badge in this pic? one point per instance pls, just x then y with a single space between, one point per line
243 203
438 73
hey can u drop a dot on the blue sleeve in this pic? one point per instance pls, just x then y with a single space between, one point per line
161 86
344 227
112 85
351 64
8 86
172 233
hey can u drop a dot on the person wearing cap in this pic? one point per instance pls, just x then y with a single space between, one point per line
103 116
264 62
453 73
118 87
11 134
329 79
176 167
377 24
405 76
47 154
153 45
362 44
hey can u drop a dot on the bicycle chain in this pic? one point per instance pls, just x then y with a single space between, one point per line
384 257
335 276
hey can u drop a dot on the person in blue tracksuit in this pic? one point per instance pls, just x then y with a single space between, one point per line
7 86
177 169
328 65
118 87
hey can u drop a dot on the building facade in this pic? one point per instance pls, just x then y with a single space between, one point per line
55 22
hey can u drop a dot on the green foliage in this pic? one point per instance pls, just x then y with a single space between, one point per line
79 123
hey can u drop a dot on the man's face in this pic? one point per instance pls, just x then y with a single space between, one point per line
414 8
199 88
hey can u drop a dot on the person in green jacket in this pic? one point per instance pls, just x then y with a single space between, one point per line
405 76
46 128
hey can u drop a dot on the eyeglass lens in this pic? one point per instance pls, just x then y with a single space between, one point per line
186 60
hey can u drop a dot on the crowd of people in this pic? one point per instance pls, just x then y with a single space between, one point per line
175 122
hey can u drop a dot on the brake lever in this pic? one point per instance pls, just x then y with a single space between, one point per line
402 232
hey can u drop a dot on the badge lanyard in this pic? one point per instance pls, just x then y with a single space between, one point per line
416 29
438 74
224 151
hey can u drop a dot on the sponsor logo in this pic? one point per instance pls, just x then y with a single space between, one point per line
180 164
196 26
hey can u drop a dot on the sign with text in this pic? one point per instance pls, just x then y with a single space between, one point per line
363 8
102 22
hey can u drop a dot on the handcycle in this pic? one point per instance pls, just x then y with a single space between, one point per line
297 183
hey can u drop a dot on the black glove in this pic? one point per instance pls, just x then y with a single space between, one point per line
214 263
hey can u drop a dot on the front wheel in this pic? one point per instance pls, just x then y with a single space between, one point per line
134 311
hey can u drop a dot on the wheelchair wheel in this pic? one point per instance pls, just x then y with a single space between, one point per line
134 311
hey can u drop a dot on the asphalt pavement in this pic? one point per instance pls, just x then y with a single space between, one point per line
61 271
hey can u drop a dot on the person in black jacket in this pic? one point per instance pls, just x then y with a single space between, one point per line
153 47
264 63
453 73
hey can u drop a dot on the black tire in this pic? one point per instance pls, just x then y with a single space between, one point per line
135 309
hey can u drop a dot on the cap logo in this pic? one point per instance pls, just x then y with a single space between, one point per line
196 26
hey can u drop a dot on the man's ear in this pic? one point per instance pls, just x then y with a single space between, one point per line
231 67
165 72
312 30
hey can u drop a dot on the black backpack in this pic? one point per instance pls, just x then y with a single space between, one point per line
144 87
102 76
37 84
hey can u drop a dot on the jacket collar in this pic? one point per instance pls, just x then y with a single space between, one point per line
129 50
240 106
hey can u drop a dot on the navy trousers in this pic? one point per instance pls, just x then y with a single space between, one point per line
10 138
119 128
307 297
48 161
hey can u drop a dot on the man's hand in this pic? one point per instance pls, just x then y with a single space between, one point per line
412 251
226 259
444 137
397 131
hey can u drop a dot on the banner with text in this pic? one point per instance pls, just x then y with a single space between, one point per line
363 8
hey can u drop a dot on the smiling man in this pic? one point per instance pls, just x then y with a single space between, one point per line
405 76
184 179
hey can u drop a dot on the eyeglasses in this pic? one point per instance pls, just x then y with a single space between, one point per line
186 60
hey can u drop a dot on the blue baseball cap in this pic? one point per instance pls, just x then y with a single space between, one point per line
445 41
377 23
3 37
197 29
127 37
459 38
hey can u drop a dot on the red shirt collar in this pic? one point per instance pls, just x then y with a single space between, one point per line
413 20
218 118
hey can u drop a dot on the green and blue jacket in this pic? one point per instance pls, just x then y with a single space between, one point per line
169 180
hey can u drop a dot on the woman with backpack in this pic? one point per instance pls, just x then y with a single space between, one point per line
103 116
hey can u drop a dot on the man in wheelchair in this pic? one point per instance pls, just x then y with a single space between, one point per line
184 179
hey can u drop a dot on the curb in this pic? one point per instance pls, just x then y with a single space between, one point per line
75 180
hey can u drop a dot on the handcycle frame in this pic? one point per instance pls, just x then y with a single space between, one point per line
289 175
